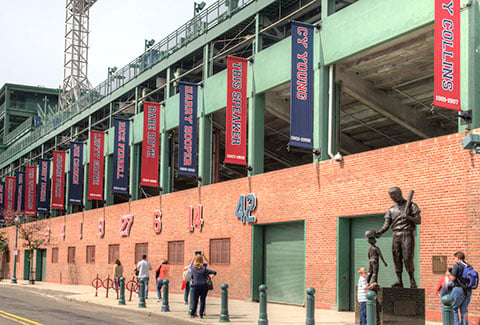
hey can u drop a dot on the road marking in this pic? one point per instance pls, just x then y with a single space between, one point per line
18 319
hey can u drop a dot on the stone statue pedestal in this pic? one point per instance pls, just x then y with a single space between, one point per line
399 306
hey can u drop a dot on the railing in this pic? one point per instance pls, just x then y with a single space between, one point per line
24 127
201 23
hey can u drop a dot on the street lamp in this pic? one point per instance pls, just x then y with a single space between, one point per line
149 43
15 251
197 7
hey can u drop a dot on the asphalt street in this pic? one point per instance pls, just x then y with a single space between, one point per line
25 306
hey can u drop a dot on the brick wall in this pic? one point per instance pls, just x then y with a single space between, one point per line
445 177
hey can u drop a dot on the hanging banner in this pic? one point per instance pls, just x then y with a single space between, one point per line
121 156
75 193
19 192
151 143
301 86
58 183
236 118
43 186
9 198
447 55
2 202
95 169
187 133
31 191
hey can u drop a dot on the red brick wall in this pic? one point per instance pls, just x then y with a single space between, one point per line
445 177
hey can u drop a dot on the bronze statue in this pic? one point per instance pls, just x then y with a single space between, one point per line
403 217
374 253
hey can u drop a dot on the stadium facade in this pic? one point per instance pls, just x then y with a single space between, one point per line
288 216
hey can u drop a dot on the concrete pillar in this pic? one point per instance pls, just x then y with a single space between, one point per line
134 183
470 61
107 185
256 111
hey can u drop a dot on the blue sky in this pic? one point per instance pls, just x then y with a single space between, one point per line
32 36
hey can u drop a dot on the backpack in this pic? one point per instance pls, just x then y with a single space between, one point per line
470 276
187 275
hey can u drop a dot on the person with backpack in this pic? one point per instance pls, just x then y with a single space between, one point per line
186 278
465 278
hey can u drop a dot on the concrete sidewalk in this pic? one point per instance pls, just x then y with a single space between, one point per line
241 312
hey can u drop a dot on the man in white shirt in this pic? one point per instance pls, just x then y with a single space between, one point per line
362 288
143 267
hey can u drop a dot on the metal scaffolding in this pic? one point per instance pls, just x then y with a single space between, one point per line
75 80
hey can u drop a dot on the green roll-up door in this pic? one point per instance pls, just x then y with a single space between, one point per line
26 264
284 259
359 252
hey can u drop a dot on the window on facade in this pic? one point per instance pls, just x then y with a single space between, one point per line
175 252
140 250
113 253
55 255
90 254
71 255
220 251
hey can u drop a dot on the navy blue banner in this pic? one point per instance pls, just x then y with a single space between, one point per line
75 194
301 86
2 201
187 133
120 156
19 191
43 186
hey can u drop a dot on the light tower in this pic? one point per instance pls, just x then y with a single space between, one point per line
75 79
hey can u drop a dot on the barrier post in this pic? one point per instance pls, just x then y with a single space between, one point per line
121 284
310 306
262 320
447 313
141 295
224 318
165 306
371 308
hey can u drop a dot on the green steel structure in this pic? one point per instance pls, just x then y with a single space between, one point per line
376 56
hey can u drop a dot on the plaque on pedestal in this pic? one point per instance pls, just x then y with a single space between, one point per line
397 306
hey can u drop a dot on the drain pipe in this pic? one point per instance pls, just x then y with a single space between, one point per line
330 110
331 82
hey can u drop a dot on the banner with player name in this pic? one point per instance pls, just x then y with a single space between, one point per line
19 192
2 202
9 198
31 191
151 144
95 168
58 180
236 112
301 86
447 55
121 156
75 186
187 133
43 186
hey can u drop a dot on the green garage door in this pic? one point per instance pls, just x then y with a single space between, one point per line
284 260
359 253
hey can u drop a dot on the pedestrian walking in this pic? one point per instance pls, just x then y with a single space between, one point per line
117 273
362 288
161 273
143 268
199 286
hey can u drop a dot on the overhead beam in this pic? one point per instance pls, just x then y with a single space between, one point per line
350 145
389 106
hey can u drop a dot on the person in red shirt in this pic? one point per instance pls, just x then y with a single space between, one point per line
161 273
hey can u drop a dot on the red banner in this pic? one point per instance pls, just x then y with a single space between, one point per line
447 54
58 180
236 118
9 198
150 146
31 191
95 169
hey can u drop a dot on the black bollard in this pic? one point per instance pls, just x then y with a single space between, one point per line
165 306
310 306
371 308
447 313
141 295
121 284
262 320
224 318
